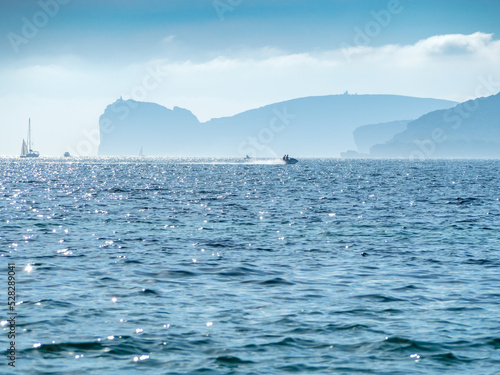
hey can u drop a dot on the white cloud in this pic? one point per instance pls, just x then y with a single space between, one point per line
455 44
437 48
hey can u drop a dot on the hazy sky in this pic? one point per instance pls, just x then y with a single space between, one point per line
63 61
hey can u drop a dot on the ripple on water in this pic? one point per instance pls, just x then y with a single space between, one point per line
185 267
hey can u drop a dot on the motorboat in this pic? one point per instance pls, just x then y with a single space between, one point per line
288 160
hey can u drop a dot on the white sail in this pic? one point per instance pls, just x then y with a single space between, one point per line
24 149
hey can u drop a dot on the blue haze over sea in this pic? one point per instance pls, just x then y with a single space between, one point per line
170 266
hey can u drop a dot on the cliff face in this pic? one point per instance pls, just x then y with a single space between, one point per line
312 126
468 130
126 126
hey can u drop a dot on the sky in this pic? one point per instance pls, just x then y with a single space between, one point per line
63 61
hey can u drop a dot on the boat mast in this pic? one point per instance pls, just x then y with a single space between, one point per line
29 134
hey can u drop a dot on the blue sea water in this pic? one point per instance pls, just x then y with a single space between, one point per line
164 266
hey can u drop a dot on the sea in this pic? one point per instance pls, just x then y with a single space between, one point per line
217 266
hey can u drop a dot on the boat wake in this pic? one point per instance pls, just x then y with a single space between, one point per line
265 161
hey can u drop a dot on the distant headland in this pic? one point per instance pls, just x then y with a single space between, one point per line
320 126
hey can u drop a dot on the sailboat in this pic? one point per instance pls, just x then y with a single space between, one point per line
26 151
141 154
